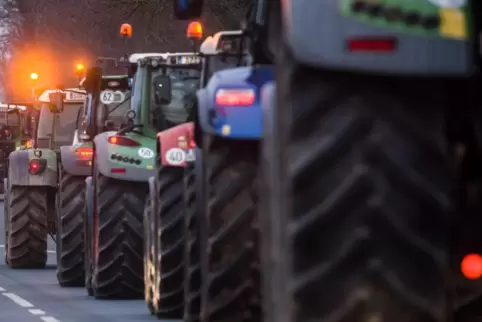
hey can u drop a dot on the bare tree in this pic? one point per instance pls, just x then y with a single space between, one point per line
10 24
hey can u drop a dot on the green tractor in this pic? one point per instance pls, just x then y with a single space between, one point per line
175 79
75 167
16 128
31 184
371 184
123 161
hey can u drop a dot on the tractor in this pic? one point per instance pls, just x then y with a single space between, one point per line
175 89
75 167
227 118
16 125
31 183
371 182
123 160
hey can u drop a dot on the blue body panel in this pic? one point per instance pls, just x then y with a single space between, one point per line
244 122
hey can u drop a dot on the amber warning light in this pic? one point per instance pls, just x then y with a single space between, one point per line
471 266
195 30
126 30
34 76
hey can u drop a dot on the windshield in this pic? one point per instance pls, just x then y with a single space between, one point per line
184 84
66 123
12 119
116 111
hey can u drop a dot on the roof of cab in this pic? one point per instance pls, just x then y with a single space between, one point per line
4 106
210 44
134 58
70 97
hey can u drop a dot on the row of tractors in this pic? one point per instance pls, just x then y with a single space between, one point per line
336 189
121 167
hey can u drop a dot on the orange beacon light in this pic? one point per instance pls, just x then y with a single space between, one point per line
195 30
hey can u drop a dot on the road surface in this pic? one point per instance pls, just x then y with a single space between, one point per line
35 296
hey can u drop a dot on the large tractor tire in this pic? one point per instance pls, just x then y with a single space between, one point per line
192 275
229 231
70 229
88 235
360 195
118 238
27 227
5 220
169 292
149 236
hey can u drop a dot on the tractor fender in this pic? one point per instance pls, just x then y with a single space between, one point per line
233 122
19 162
105 166
171 150
70 163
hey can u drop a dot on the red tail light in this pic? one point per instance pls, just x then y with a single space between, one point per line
471 266
192 144
84 152
372 45
37 166
121 140
235 97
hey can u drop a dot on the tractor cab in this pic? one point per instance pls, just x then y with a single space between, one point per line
224 50
59 110
164 88
106 105
16 123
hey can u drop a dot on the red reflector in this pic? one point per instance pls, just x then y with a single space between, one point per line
235 97
372 45
121 140
85 152
36 166
118 170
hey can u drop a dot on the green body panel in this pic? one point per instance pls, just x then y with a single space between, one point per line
133 152
454 23
19 163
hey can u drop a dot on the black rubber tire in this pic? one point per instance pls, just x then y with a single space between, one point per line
360 189
229 235
5 221
169 292
88 235
27 227
118 264
148 255
70 229
192 271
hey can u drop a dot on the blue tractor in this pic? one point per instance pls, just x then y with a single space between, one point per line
228 133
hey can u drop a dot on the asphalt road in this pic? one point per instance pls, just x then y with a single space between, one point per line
35 296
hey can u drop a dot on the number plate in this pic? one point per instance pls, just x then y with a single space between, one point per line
189 60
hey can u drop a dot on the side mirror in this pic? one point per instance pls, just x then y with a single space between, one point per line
93 79
162 89
188 10
56 104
